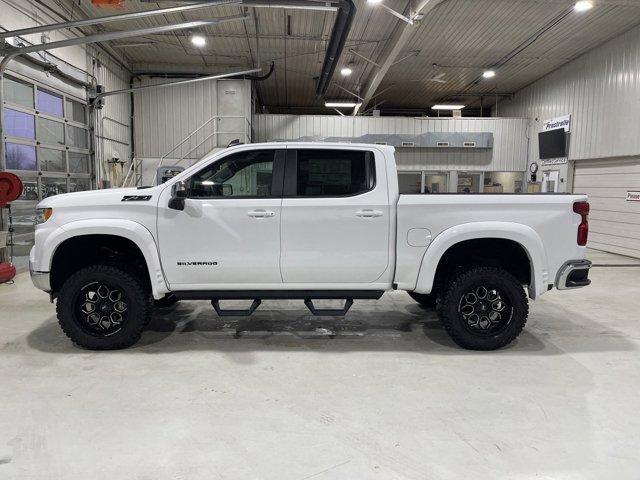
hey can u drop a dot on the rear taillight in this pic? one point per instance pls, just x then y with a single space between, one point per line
582 208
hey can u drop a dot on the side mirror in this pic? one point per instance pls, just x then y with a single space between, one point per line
178 195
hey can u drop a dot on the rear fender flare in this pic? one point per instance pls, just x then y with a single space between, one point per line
524 235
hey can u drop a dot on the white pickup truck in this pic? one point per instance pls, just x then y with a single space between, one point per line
303 221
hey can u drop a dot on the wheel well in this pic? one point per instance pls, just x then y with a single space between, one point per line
85 250
483 252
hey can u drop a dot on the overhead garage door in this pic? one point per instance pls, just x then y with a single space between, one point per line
614 222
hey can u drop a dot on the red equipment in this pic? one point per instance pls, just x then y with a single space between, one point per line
10 190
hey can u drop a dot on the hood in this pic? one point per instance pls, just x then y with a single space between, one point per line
100 197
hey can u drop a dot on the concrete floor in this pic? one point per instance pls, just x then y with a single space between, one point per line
387 397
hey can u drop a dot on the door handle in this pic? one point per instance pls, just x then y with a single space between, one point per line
368 213
261 214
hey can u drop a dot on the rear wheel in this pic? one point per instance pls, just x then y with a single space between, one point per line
103 308
484 308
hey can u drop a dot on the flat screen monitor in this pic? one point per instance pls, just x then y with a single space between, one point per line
552 144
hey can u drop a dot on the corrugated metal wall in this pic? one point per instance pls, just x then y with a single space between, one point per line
509 152
113 122
165 117
600 90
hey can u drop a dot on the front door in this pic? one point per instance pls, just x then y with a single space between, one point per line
550 181
228 234
335 217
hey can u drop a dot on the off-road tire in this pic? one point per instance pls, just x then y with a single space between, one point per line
472 338
72 318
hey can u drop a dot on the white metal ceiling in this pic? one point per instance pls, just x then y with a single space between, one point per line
462 37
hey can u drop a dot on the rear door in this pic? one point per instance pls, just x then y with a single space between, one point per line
335 216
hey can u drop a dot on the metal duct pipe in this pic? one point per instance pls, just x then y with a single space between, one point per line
339 34
323 5
113 18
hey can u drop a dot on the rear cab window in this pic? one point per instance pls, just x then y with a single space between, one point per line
329 173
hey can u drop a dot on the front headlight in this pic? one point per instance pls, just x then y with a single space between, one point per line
43 214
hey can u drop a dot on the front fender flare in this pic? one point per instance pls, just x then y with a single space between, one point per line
524 235
128 229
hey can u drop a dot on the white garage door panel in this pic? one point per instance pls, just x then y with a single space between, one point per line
614 223
606 180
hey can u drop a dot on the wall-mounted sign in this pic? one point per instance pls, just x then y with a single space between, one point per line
633 196
554 161
557 123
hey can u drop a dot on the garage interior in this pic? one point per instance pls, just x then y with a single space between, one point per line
103 94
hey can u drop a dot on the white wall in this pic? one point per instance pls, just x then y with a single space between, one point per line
165 117
509 152
600 89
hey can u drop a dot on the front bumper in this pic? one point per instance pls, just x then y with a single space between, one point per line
40 279
573 274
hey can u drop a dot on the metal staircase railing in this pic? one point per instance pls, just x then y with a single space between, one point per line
133 176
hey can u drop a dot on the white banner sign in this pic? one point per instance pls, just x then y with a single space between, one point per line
633 196
557 123
554 161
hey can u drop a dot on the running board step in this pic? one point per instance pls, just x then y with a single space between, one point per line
235 313
329 312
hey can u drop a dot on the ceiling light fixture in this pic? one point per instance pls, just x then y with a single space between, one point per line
198 41
447 107
374 2
338 104
489 74
583 5
346 71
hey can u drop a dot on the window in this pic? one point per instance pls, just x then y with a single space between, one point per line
503 182
51 160
53 186
326 172
79 163
75 111
77 137
410 182
20 157
245 174
50 131
49 103
18 93
19 124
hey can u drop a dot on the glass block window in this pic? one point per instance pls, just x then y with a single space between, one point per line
20 157
19 124
79 163
50 103
52 160
18 93
77 137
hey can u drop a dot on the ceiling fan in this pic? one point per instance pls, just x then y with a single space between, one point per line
439 78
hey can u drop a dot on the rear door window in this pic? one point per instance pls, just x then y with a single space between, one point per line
333 173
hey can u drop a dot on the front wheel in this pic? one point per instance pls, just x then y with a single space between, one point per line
102 307
484 308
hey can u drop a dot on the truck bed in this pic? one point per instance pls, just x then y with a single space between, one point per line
424 222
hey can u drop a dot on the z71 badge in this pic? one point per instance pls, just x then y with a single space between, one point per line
136 198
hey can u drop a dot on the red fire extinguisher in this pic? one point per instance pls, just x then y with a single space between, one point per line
10 190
